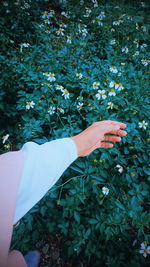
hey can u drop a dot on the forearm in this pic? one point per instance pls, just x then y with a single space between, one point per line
11 165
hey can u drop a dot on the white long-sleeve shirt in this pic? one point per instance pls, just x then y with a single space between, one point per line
43 166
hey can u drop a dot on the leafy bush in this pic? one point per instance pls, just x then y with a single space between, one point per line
63 69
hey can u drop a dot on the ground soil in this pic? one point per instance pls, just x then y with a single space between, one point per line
51 249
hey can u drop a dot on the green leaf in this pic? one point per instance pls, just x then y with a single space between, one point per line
77 169
119 205
93 221
77 216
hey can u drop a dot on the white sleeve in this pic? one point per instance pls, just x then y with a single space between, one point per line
43 166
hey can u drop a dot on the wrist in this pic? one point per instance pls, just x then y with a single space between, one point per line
79 145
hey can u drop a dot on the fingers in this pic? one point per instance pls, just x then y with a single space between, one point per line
122 125
110 123
106 145
119 132
111 138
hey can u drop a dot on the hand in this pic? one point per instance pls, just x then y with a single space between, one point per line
93 137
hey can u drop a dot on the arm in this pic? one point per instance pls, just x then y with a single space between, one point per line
39 167
11 165
95 135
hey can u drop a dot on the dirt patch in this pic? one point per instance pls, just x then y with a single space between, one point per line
50 247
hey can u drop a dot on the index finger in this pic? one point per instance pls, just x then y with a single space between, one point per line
121 124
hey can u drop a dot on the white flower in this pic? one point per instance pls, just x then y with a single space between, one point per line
51 110
84 32
25 45
101 15
136 43
100 23
63 13
120 168
113 69
30 105
96 85
65 93
144 250
112 93
143 46
41 25
79 75
60 32
119 86
5 3
80 105
112 42
61 110
101 94
46 15
143 4
59 87
110 105
5 138
63 25
95 3
143 124
125 49
105 190
136 54
116 23
112 84
88 12
50 76
69 39
145 62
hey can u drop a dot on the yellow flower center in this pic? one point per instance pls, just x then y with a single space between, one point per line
132 174
51 75
101 93
60 30
112 90
28 103
66 92
143 124
145 251
120 84
114 67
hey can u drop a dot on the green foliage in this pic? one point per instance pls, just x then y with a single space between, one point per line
100 228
